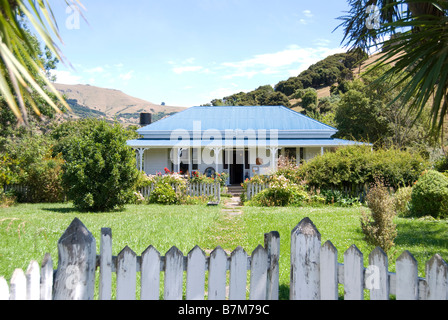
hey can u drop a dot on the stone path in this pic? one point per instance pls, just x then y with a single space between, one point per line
232 206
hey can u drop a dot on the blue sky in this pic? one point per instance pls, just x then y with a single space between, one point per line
186 53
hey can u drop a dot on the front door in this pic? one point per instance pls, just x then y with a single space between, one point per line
236 168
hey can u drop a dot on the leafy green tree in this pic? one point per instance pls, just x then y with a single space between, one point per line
371 113
100 171
360 118
416 34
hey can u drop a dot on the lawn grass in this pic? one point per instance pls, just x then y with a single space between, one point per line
28 231
422 238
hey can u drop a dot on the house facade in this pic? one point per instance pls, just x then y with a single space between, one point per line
240 140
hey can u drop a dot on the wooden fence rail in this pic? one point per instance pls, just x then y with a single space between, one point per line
315 272
212 190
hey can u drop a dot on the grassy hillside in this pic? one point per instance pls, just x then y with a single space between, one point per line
92 101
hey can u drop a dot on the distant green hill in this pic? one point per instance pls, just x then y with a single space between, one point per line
332 70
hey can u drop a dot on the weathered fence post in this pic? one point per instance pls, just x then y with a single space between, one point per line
353 274
436 271
217 274
258 274
174 266
328 272
377 277
4 289
18 285
272 245
407 277
75 276
238 274
126 274
105 290
150 274
195 274
305 261
46 276
33 281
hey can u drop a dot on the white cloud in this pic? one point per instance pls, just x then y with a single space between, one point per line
126 76
308 13
321 42
183 69
66 77
95 70
292 59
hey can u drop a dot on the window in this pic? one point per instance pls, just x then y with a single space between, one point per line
291 153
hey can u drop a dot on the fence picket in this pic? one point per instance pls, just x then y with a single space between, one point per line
272 245
305 260
195 274
46 276
436 276
105 289
238 274
328 272
4 289
33 281
376 278
174 264
406 277
150 274
18 285
126 274
258 274
75 275
217 274
353 274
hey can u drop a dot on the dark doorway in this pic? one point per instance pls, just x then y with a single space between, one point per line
236 167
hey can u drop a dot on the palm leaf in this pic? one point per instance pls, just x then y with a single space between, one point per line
19 62
418 55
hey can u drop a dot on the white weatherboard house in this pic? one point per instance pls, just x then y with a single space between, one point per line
240 140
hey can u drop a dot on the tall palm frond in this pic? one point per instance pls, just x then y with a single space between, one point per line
413 35
19 63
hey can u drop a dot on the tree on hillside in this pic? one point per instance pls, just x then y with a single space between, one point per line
328 71
263 95
418 46
370 113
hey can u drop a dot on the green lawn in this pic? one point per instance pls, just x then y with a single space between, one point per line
28 231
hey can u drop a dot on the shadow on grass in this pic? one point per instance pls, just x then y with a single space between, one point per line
412 233
62 210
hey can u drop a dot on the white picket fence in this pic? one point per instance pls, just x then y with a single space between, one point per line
314 272
210 190
254 188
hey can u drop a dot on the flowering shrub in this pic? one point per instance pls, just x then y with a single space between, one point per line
163 193
281 192
197 177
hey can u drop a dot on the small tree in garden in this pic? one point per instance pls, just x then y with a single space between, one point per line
100 171
378 225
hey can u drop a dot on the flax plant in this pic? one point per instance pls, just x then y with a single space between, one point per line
21 72
413 37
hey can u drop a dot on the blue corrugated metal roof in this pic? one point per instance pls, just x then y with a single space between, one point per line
237 117
142 143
